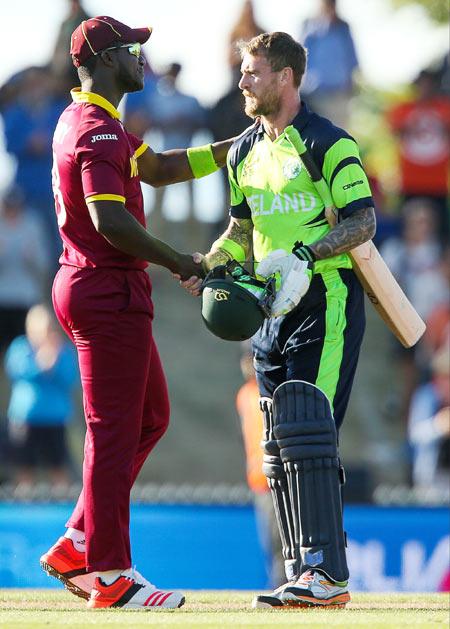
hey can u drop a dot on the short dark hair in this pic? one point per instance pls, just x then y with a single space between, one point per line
87 69
281 51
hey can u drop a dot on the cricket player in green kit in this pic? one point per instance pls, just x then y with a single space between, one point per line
305 354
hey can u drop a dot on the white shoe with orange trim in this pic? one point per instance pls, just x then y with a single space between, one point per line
131 591
272 599
313 589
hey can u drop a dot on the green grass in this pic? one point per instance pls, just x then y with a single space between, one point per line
36 609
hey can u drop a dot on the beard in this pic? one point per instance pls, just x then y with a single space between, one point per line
129 83
266 105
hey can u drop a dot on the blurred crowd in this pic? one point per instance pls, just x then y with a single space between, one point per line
413 226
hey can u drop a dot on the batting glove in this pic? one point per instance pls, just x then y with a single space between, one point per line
295 276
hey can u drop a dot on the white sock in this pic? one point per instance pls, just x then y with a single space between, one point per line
78 539
109 576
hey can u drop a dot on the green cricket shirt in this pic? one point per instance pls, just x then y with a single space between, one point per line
269 184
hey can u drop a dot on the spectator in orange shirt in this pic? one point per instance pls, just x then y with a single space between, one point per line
423 130
247 406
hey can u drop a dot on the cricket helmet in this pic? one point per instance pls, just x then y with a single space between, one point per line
234 303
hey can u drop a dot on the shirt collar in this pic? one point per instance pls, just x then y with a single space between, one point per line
94 99
302 118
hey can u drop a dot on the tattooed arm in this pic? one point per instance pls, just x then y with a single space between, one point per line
240 233
351 232
237 238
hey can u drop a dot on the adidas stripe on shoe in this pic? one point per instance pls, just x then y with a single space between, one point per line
131 591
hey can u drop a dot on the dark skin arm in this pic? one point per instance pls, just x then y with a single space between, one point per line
346 235
161 169
112 220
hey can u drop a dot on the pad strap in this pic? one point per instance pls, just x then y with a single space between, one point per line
278 484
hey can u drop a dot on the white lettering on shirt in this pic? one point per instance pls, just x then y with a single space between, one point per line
281 203
104 136
62 128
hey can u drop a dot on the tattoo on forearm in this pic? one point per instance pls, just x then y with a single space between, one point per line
241 232
216 258
353 231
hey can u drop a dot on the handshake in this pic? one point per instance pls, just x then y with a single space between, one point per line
295 271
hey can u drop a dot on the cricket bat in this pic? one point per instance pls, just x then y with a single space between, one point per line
380 285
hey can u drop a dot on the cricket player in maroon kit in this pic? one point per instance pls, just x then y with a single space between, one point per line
102 297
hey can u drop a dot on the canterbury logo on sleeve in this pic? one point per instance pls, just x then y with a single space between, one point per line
353 184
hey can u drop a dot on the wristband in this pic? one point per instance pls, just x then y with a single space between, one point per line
303 252
231 247
201 160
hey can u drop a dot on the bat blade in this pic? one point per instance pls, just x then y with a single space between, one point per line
386 295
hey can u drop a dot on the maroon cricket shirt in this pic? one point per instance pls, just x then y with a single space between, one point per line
94 158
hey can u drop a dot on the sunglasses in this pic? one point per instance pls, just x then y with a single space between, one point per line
133 49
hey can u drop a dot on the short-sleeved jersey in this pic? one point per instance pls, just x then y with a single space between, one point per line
94 158
269 184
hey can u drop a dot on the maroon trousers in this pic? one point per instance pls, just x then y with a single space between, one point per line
108 315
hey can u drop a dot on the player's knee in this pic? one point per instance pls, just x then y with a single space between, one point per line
304 429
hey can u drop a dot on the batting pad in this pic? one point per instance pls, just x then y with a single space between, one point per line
306 436
278 484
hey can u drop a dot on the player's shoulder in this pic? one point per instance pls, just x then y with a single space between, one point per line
97 127
318 132
243 144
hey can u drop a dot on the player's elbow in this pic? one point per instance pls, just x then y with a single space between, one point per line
372 222
367 223
152 178
107 227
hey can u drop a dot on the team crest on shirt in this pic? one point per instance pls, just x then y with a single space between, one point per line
291 168
250 169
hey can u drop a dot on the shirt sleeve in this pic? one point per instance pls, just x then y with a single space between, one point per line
344 173
103 155
138 145
238 203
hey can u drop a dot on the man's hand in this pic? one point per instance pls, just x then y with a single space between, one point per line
189 266
295 277
193 282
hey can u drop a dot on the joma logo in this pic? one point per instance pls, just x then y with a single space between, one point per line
104 136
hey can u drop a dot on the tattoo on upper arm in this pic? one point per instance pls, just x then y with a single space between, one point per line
351 232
